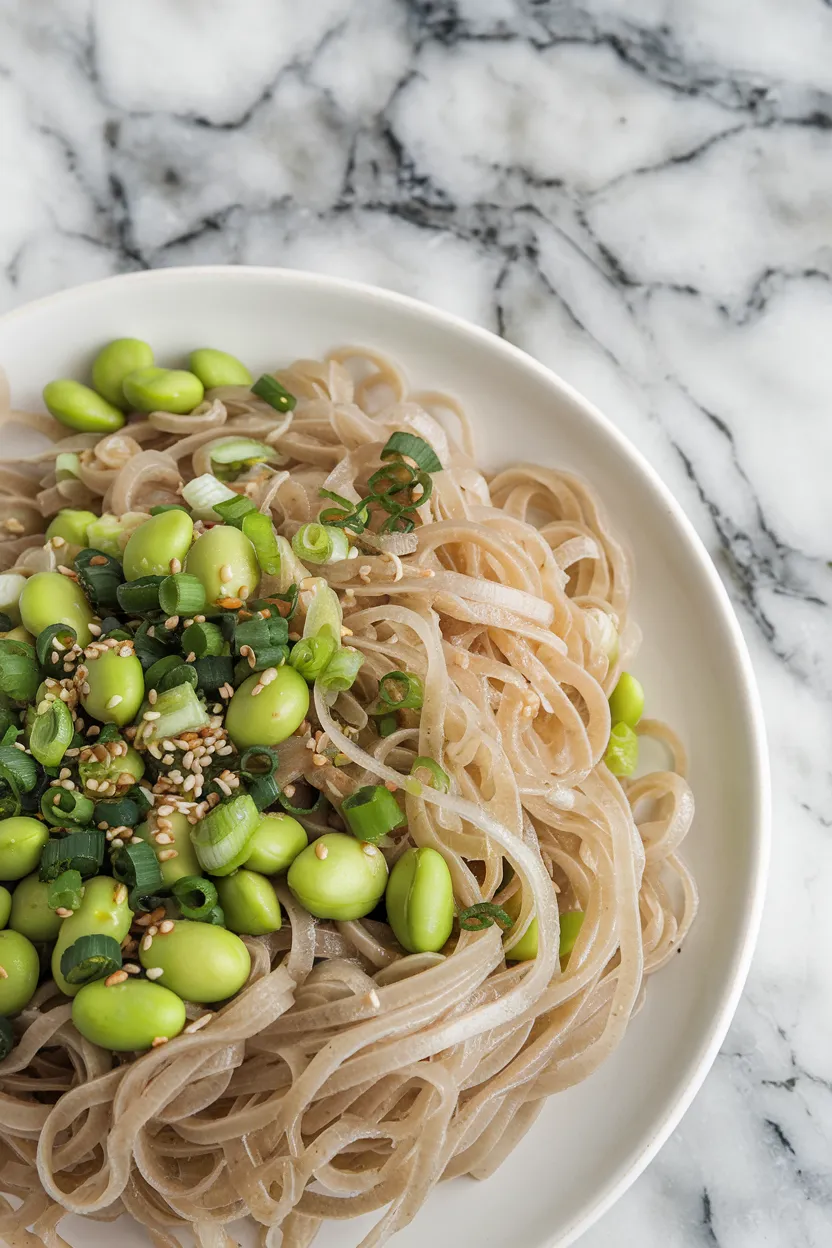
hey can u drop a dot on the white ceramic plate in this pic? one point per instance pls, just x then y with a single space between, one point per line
591 1142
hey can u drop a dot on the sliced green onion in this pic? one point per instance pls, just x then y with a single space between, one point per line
234 509
392 479
122 812
484 914
277 396
6 1038
214 672
143 802
436 778
64 807
179 710
196 896
203 493
90 958
181 674
65 892
571 922
386 725
67 466
19 675
371 812
147 901
44 644
201 640
17 767
9 730
289 600
320 543
341 671
80 851
51 734
310 657
136 866
260 532
323 617
222 838
263 791
291 809
414 448
99 581
216 917
159 669
253 633
163 507
251 768
336 498
401 691
140 597
242 451
181 594
108 734
152 646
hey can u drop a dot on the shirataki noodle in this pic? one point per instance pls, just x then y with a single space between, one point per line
347 1078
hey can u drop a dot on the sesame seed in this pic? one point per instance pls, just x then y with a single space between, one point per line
389 784
158 1041
175 566
166 927
117 977
197 1024
226 572
165 810
114 701
171 622
167 854
150 715
120 894
154 972
147 941
4 974
369 850
320 760
163 838
92 784
95 629
131 968
258 689
58 542
289 790
63 913
190 657
321 851
94 730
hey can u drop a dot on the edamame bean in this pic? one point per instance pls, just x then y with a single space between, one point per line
571 922
21 844
71 525
622 751
116 687
627 700
19 972
218 368
163 390
5 906
249 903
127 1016
31 914
110 534
338 877
103 912
114 362
420 901
79 407
50 598
272 715
225 562
526 947
186 861
198 961
130 764
276 844
155 544
11 587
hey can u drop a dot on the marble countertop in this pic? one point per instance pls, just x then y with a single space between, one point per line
639 193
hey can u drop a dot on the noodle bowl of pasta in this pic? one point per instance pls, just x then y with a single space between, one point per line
381 760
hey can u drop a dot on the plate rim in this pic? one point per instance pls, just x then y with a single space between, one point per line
760 781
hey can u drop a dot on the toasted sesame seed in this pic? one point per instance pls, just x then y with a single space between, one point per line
120 894
167 854
166 926
58 542
171 622
154 972
4 974
346 632
226 572
369 850
114 701
258 688
165 810
389 784
152 696
117 977
131 968
320 760
242 592
151 715
163 838
92 784
158 1041
175 566
321 851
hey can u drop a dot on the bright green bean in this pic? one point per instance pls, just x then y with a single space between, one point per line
225 562
249 902
127 1016
5 906
269 717
276 844
71 525
218 368
110 534
31 914
622 751
130 764
50 598
198 961
20 967
79 407
627 701
103 912
526 947
420 901
186 861
21 843
115 685
114 362
154 546
163 390
571 922
338 877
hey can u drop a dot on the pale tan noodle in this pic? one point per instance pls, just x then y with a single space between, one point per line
347 1077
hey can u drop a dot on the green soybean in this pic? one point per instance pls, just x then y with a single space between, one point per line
71 525
276 844
226 563
249 903
129 764
198 961
163 390
109 533
526 947
19 972
627 700
270 716
127 1016
116 687
31 914
114 362
218 368
571 922
5 906
50 598
21 844
186 862
338 877
420 901
622 751
156 543
103 912
79 407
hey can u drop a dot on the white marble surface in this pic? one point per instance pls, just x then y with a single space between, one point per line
639 192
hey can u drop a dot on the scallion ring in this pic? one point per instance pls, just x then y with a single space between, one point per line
401 691
484 914
371 812
196 896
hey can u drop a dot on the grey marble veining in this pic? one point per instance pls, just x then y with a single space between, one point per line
639 192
